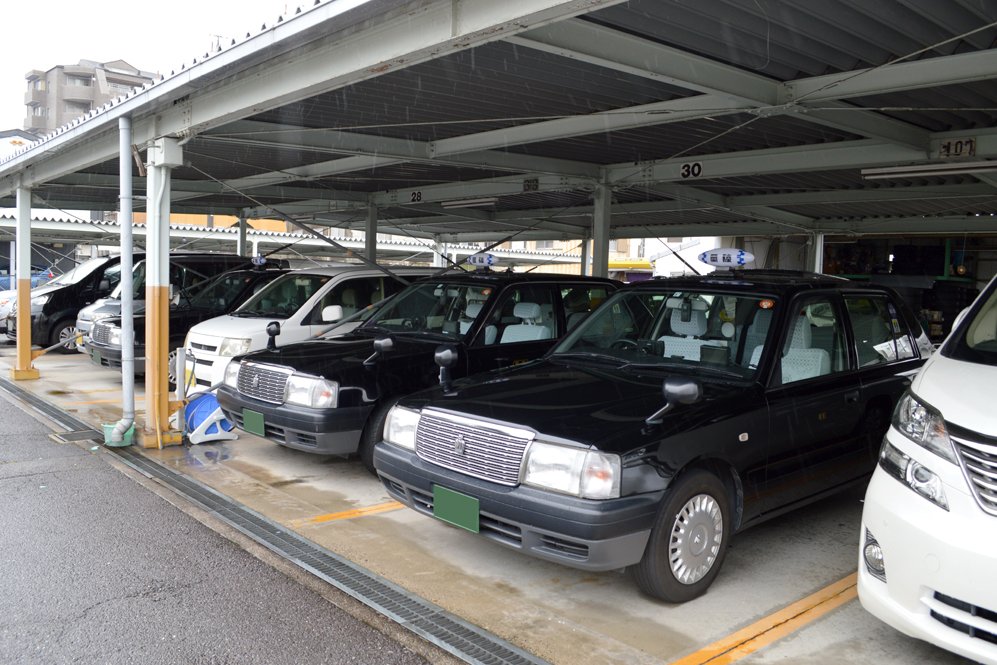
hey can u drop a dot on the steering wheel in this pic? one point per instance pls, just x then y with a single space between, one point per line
624 344
412 323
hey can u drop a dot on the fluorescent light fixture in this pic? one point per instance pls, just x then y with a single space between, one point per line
922 170
470 203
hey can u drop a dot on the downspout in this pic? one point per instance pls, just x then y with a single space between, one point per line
127 287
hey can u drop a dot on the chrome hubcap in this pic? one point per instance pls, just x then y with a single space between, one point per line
697 535
171 367
68 337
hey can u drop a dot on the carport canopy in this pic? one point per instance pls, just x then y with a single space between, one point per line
484 121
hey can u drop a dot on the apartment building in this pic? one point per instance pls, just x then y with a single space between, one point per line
65 92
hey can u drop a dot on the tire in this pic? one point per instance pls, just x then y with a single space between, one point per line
688 542
64 331
171 372
372 434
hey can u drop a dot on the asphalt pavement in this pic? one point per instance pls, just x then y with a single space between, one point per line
98 566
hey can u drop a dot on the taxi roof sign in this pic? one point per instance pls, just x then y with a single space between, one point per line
723 257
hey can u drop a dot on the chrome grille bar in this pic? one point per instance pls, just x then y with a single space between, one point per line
979 463
263 382
476 448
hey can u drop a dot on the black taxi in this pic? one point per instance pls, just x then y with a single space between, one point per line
330 395
680 412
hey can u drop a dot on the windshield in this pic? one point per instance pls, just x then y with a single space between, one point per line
138 283
700 332
80 272
975 340
282 297
221 292
442 308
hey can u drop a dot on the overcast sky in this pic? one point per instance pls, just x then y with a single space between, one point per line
40 34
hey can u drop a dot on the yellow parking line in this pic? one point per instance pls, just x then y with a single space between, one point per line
775 626
348 514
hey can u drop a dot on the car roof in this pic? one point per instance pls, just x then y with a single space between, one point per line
770 281
496 278
334 270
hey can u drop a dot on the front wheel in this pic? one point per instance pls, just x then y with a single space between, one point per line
372 433
688 541
64 333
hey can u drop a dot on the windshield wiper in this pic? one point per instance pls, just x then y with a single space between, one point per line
586 355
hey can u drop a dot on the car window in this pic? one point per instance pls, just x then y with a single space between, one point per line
879 335
112 276
976 339
525 313
448 309
284 296
578 301
814 343
351 294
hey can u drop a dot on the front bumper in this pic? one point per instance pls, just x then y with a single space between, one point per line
110 356
320 431
941 567
580 533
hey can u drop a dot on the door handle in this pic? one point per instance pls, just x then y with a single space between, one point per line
852 397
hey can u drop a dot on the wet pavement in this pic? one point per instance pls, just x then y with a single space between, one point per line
558 614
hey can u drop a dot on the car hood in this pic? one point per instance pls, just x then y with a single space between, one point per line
605 408
236 326
960 390
329 358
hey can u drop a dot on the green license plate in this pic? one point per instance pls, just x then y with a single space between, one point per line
95 356
455 508
252 422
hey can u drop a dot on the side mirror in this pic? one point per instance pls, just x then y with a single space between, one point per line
273 329
381 346
104 286
676 390
332 313
445 357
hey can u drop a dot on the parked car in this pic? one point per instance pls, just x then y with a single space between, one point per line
928 549
197 303
8 297
681 412
329 396
39 275
187 269
306 303
54 306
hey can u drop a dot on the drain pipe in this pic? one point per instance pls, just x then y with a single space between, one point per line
127 288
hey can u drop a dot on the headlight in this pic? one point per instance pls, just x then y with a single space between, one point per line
311 391
97 316
913 474
5 301
400 427
578 471
114 336
232 375
38 301
233 346
924 426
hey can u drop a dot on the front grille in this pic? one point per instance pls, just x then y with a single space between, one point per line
263 382
978 455
101 334
977 622
475 448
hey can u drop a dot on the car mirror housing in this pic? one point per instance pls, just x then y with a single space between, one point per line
676 390
273 329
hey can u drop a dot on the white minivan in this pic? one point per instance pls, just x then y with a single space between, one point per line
305 303
928 547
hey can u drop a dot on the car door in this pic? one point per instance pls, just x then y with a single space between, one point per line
814 402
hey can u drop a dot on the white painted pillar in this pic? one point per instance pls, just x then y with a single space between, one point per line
601 215
13 265
817 252
586 270
439 251
164 155
127 288
23 368
370 234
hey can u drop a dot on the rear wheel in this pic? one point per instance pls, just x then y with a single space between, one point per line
64 333
688 542
372 434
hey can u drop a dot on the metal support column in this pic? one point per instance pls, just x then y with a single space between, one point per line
439 251
240 243
164 155
586 270
127 287
817 252
370 235
602 204
23 369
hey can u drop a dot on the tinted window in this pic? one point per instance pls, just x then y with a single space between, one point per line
976 338
525 313
284 296
434 307
879 335
814 343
